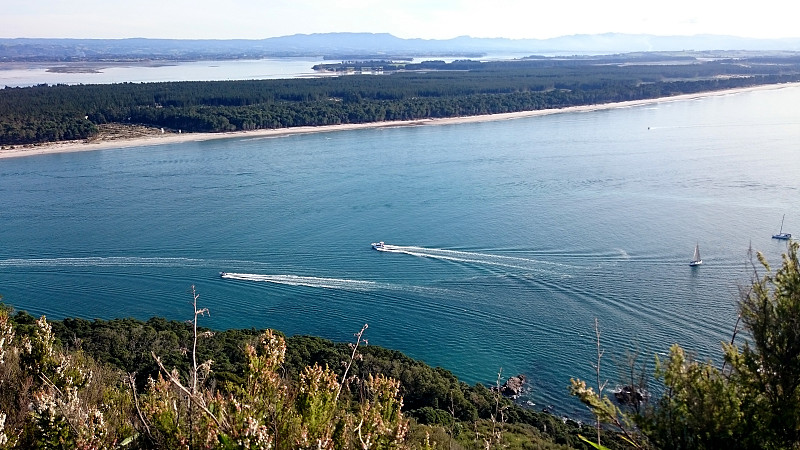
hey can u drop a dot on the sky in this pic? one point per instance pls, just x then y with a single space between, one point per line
427 19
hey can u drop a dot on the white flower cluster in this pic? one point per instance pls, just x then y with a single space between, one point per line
3 437
274 346
46 336
6 336
256 435
44 405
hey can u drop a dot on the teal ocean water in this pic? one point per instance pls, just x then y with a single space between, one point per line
513 236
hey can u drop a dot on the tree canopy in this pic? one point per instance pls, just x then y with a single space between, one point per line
434 90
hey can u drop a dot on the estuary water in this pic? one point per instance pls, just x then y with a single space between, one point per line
22 74
19 74
511 236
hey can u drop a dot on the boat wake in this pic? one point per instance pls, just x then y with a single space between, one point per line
325 283
113 261
486 259
297 280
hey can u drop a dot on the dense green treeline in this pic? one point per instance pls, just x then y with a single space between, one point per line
443 408
48 113
431 395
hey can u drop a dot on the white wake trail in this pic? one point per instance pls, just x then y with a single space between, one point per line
329 283
511 262
297 280
97 261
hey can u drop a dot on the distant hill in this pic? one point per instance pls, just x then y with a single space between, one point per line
335 45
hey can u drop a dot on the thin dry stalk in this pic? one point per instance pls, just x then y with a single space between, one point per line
358 336
131 381
197 312
174 380
497 410
600 386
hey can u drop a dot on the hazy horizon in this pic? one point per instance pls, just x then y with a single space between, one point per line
699 35
413 19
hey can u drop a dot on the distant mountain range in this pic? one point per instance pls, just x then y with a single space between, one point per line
349 45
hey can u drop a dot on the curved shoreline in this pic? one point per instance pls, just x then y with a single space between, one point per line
172 138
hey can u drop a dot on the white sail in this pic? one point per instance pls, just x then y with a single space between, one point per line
696 260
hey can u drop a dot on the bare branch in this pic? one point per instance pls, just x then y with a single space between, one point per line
350 362
186 391
600 386
131 377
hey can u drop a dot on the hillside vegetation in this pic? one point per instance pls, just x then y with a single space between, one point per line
125 383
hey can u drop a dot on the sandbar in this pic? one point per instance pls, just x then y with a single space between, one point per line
173 138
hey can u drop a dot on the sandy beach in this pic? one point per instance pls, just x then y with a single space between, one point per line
155 137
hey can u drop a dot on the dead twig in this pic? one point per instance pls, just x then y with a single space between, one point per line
175 381
131 381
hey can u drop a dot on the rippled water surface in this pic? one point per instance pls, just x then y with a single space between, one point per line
509 238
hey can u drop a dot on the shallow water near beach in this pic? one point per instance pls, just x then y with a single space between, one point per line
509 237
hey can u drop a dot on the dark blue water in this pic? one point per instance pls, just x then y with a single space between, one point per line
514 236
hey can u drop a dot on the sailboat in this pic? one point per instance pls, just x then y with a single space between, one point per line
696 260
781 234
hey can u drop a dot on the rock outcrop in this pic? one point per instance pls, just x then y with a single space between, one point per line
513 387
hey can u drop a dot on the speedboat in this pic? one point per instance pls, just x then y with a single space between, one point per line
222 274
380 246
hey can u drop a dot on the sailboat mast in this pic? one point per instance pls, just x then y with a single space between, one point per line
784 218
696 261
